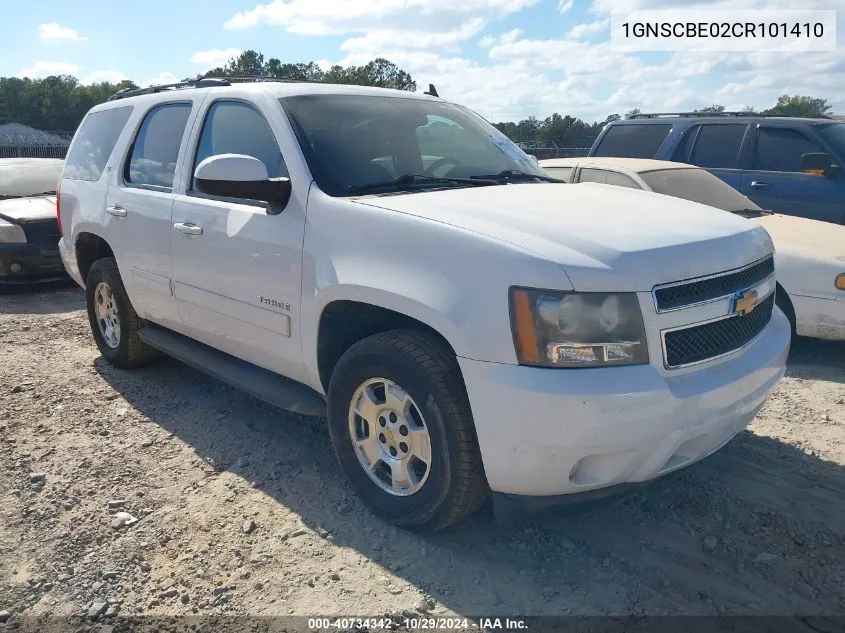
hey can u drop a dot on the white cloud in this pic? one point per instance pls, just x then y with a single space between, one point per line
375 40
564 5
581 31
112 76
39 70
55 31
214 57
159 80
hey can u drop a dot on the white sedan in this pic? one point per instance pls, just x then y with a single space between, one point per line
810 255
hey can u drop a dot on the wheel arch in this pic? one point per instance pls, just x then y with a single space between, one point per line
343 321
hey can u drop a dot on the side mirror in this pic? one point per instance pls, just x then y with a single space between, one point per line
240 176
533 158
816 163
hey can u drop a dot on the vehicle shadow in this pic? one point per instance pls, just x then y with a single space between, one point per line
758 528
817 359
50 298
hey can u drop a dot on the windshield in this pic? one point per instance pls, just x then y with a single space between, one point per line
351 141
834 134
699 186
28 176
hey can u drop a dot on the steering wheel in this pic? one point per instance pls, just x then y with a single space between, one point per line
439 163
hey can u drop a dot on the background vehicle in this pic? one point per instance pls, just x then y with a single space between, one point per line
29 232
809 261
789 165
440 290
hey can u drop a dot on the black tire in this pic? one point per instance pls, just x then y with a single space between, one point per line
427 370
130 352
783 302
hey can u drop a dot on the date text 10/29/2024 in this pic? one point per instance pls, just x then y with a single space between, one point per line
421 623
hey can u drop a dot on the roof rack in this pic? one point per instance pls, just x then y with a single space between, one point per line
202 82
656 115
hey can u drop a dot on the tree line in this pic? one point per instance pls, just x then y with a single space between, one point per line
59 103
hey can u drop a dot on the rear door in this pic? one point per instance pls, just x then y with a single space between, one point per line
716 148
774 179
139 205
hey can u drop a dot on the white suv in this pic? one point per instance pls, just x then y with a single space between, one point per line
393 262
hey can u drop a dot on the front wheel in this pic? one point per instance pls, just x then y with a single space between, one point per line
402 429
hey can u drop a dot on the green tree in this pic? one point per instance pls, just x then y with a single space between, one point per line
800 106
712 109
630 114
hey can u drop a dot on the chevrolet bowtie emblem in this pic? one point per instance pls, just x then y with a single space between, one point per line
745 302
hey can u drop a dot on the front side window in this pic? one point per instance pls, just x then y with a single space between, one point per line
234 127
152 161
352 141
94 143
781 149
717 146
633 140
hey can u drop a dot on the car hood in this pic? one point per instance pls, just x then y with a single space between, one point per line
606 238
807 237
31 208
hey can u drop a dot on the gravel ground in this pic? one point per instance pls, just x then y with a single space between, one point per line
163 492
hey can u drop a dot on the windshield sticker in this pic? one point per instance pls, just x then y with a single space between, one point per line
509 149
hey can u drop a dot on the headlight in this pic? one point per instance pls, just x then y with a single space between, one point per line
11 233
570 329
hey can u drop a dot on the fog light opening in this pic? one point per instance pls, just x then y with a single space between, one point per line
16 267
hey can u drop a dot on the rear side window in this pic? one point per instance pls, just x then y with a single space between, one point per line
234 127
589 174
780 149
682 152
718 146
562 173
152 161
632 141
94 142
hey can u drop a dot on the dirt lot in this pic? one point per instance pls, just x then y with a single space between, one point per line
241 508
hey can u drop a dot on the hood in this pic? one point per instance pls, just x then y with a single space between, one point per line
32 208
606 238
803 236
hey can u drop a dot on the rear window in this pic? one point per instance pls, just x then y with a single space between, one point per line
152 161
94 142
632 141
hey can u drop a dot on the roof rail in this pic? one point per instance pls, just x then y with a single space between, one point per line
202 82
656 115
257 78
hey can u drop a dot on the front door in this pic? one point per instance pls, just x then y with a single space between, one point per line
236 263
775 181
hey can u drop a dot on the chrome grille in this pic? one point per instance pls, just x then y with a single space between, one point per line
683 294
716 338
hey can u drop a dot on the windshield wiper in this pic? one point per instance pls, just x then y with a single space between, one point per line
751 213
508 174
409 180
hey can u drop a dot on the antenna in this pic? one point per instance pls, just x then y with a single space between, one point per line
432 91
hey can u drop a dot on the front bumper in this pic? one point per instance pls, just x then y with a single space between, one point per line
29 263
818 317
548 432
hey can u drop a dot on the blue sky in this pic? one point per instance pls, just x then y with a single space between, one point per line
508 59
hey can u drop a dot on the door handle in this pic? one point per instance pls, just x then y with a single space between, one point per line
187 228
117 211
759 184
